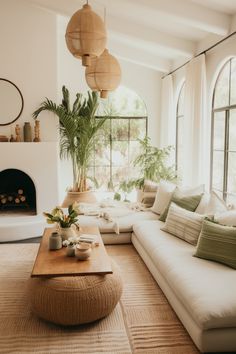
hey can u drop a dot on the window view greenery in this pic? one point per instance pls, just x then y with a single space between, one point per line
117 145
179 132
223 178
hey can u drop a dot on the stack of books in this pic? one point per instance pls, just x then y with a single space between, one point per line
88 238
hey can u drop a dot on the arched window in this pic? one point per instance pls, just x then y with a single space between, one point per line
223 152
117 144
179 131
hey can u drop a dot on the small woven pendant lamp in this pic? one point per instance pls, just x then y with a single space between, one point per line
104 74
86 35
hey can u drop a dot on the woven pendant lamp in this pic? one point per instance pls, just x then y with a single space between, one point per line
86 35
104 74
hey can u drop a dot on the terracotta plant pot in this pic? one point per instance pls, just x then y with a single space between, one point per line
80 197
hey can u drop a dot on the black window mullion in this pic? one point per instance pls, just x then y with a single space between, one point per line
212 145
226 155
227 110
110 137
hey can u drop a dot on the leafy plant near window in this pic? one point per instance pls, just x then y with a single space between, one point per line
152 163
78 127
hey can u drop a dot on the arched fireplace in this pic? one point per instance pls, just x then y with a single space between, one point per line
17 193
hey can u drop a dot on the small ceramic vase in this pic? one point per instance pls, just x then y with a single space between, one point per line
70 251
83 251
67 232
55 242
27 132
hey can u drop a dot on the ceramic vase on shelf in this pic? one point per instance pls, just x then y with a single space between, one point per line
27 132
67 232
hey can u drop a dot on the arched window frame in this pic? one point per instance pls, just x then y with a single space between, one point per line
113 119
179 116
226 109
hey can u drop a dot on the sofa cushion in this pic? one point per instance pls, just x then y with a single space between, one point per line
150 186
217 243
201 208
206 289
123 223
227 218
215 205
186 201
183 224
163 196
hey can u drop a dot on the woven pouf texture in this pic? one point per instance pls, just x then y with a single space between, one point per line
75 299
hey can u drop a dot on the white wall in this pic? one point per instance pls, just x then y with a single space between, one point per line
28 58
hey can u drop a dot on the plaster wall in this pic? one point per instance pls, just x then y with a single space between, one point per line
29 59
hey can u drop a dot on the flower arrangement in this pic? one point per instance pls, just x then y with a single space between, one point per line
72 241
58 216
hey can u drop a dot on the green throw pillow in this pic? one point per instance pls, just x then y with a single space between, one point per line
189 202
217 243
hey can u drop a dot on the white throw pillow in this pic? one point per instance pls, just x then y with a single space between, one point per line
227 218
215 205
183 223
165 191
202 206
163 196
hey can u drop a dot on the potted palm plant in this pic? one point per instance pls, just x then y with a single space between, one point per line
78 128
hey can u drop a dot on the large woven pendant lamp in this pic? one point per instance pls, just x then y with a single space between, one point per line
104 74
86 35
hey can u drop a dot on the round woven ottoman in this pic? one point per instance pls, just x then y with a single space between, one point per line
75 299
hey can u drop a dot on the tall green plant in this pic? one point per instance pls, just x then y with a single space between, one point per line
152 163
78 127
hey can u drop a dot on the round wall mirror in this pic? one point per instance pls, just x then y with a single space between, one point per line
11 102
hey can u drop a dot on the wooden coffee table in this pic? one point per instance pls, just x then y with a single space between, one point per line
56 263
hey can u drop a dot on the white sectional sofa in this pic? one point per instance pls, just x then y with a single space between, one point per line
202 293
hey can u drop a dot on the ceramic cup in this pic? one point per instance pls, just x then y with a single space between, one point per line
83 251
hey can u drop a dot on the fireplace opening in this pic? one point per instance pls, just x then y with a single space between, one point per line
17 193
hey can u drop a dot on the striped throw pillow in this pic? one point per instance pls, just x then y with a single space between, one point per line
183 223
188 202
217 243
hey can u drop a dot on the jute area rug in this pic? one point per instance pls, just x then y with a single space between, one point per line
142 322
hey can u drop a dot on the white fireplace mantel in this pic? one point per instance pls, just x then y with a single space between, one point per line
40 161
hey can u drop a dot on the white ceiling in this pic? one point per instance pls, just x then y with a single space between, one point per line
156 33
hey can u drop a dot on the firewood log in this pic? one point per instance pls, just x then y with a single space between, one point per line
3 200
10 198
20 191
17 200
22 198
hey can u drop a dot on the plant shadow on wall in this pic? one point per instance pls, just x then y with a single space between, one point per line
78 128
